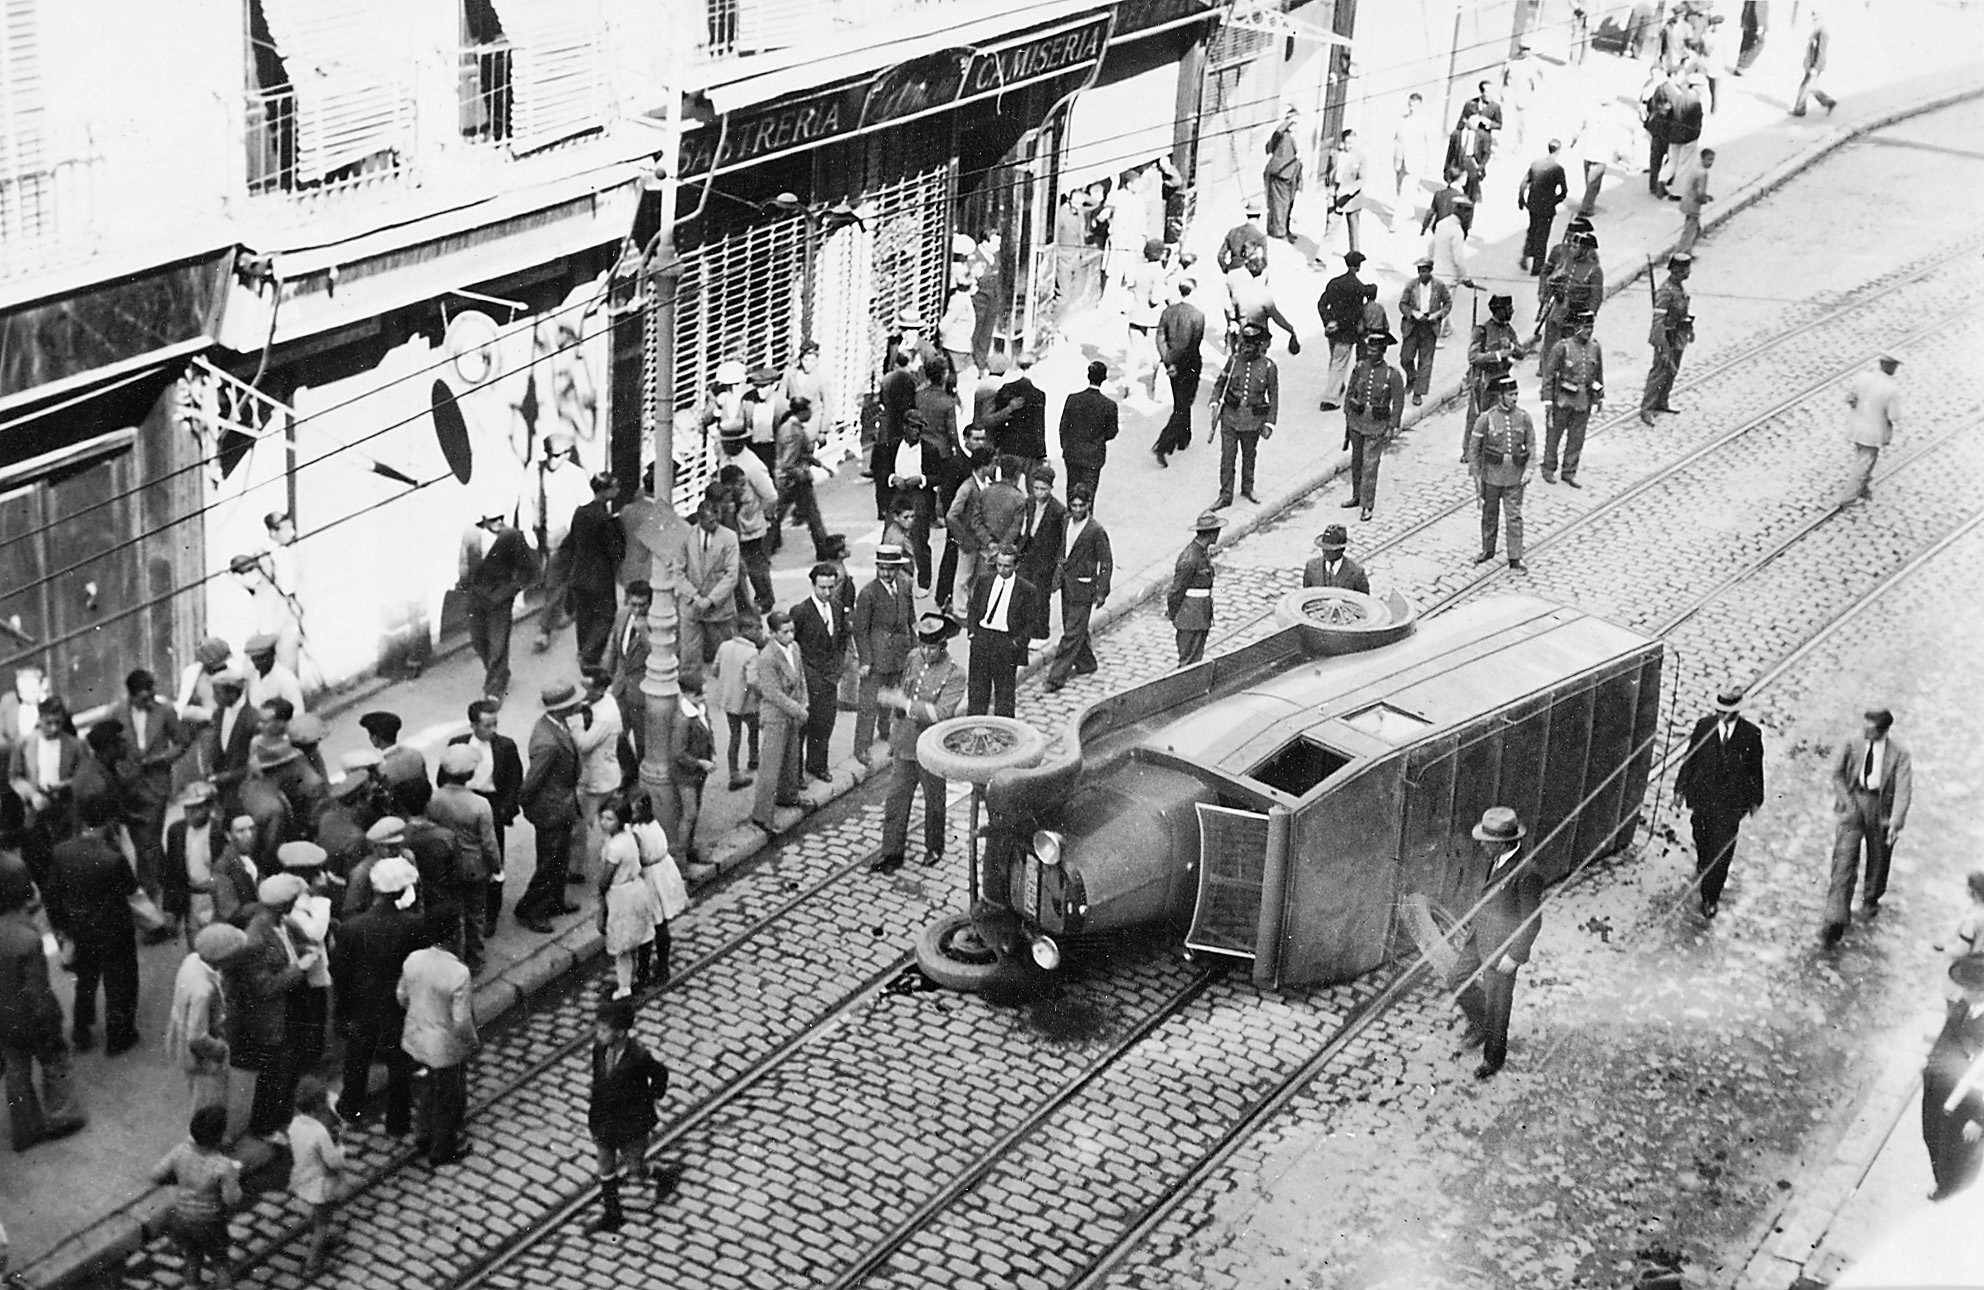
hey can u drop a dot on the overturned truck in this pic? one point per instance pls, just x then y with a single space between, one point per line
1303 801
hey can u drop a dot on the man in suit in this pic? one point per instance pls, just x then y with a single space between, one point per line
1018 423
1043 524
1341 307
1333 568
1088 423
1498 450
710 603
823 630
1953 1110
41 771
783 710
1721 780
496 564
933 690
1499 938
626 659
1542 190
549 797
1573 381
156 741
1873 784
1423 309
1282 178
597 546
366 965
883 635
499 778
439 1033
91 883
1875 400
1002 607
193 843
1087 564
1189 603
1181 334
470 820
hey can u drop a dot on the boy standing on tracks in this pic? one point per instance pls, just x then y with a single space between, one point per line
626 1083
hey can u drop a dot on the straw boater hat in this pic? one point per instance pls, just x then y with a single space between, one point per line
912 320
891 555
1208 522
1730 699
559 694
1499 824
1333 538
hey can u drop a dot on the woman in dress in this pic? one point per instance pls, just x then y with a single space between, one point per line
626 907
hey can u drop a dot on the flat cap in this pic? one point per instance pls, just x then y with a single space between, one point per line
459 759
391 830
301 855
393 875
260 643
280 889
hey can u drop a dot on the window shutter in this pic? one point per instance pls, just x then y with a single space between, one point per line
351 101
24 206
557 70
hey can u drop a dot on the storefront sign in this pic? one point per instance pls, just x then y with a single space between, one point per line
1151 15
775 128
998 69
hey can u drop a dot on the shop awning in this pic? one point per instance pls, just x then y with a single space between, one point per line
1266 17
557 69
341 57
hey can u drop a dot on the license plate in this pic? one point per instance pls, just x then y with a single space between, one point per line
1029 901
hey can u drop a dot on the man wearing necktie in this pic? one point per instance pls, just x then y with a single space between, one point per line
1002 607
1873 783
823 632
1499 937
1083 574
710 600
1721 781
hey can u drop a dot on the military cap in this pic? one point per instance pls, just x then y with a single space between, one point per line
1504 384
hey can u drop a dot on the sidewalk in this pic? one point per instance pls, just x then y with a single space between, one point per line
57 1191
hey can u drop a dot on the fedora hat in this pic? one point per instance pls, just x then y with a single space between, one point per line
559 694
932 629
1333 538
1729 699
271 751
1208 522
1499 824
197 792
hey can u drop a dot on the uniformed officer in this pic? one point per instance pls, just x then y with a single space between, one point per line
1573 283
1189 606
1246 401
1573 388
1499 446
1673 327
1491 349
1373 402
933 690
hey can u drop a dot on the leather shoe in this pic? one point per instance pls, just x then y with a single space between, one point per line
1225 500
1646 417
118 1044
459 1154
537 925
1327 406
1484 1070
57 1130
1250 496
1549 476
1162 463
1364 515
1474 1037
1055 687
81 1039
1831 934
569 908
933 857
1572 482
1484 557
740 781
887 864
1518 566
1350 505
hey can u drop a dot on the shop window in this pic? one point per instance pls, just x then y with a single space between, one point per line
1299 766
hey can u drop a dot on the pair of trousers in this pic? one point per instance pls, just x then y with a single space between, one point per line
275 1091
1536 242
443 1108
34 1112
1857 825
958 568
1244 443
700 638
1952 1161
778 780
366 1042
1191 645
1860 479
1656 159
1366 451
743 724
489 624
1715 847
627 1158
1660 380
754 589
905 777
1415 355
798 495
1594 180
1497 499
991 676
1177 433
592 614
1341 353
107 956
545 895
1565 428
1281 203
1075 653
872 721
1808 87
822 708
1691 230
1487 1003
1083 476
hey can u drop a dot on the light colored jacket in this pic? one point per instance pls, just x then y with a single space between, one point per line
440 1014
599 746
317 1161
1876 403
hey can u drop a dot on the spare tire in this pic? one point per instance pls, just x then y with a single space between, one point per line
974 749
1336 620
951 953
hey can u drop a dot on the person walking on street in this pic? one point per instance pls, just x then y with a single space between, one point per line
1423 309
1542 190
91 883
757 498
1373 403
598 545
822 628
1189 604
1250 298
1341 307
1246 401
1333 568
1573 381
933 689
496 565
1952 1101
439 1033
317 1165
883 636
627 1081
366 965
1018 424
1498 451
1875 399
1001 617
1415 160
1721 781
1873 781
31 1040
1088 423
797 459
1082 576
1499 937
1573 282
1283 175
1242 239
1345 181
782 692
1672 330
550 800
1693 182
206 1185
1818 44
1181 334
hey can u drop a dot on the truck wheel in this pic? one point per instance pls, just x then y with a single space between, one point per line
974 749
1336 620
951 953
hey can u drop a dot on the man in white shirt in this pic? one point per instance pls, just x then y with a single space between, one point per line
1873 784
599 756
1876 403
267 678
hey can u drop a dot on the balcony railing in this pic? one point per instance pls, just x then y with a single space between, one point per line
48 216
737 27
483 73
365 149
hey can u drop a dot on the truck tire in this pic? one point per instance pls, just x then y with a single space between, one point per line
968 967
974 749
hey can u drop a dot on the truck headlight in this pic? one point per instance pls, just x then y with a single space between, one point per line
1047 846
1046 953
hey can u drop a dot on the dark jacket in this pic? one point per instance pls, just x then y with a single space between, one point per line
439 861
1543 187
507 774
1088 423
1507 923
1021 615
230 761
172 880
365 966
1019 419
257 982
1181 330
823 652
1341 307
90 881
30 1014
597 545
494 577
550 791
1084 573
1349 574
690 742
623 1095
898 397
1722 777
1040 554
234 888
884 628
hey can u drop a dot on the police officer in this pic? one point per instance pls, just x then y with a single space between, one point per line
1189 606
1373 402
1573 282
1573 388
1492 348
1673 327
1499 446
1246 401
933 690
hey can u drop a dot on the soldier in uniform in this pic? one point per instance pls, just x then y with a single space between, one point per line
933 690
1189 606
1498 450
1246 401
1491 350
1373 402
1573 282
1673 327
1573 388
